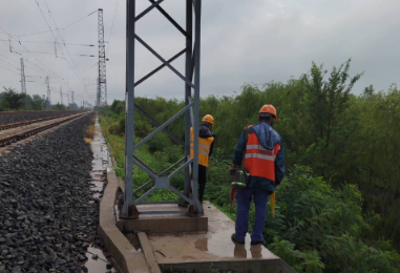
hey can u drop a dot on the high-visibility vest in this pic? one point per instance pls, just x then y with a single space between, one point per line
204 148
259 161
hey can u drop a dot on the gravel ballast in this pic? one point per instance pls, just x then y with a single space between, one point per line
48 216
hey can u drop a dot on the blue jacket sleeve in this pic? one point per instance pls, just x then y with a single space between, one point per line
239 150
280 164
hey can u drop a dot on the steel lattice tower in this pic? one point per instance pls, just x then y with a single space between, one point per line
23 80
102 81
191 36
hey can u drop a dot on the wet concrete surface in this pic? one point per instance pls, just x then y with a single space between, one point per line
97 261
213 246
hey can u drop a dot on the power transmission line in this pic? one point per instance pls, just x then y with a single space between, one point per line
40 66
6 68
77 73
47 31
112 26
47 70
39 42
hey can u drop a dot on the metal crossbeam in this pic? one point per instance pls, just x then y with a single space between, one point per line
160 180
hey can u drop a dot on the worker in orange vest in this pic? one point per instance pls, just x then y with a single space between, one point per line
262 150
206 144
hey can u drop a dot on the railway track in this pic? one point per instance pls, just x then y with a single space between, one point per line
27 122
26 129
7 117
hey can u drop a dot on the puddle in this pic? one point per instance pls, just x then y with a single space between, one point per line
96 258
96 264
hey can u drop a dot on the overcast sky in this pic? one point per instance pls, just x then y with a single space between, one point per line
252 41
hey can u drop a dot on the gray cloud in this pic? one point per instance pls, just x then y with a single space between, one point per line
253 41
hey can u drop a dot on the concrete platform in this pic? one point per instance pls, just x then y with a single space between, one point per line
214 250
163 218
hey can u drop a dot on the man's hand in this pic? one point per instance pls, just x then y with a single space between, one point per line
233 165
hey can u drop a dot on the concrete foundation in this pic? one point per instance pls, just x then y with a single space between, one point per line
172 219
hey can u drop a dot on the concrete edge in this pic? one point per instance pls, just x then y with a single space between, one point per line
148 252
124 256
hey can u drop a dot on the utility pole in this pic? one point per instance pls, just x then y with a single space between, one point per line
48 91
72 97
23 80
102 81
61 95
67 93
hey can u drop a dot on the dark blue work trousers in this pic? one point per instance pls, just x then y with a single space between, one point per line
243 197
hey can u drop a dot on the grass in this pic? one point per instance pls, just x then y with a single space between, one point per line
156 161
90 131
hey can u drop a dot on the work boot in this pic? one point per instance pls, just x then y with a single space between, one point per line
236 240
254 243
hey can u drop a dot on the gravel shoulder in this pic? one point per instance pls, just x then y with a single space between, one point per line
48 216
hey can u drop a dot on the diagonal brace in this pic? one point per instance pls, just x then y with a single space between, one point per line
168 122
141 110
160 67
155 4
163 12
144 167
159 174
180 168
163 61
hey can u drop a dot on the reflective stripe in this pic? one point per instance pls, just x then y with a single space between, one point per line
203 152
258 147
201 145
260 156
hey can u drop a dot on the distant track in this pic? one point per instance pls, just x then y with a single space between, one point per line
15 134
8 117
22 123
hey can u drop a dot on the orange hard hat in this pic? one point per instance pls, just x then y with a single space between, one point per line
208 118
268 109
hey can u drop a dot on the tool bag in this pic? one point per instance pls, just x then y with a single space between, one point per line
239 177
239 180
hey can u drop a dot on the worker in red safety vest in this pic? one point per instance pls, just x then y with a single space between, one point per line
206 144
262 150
